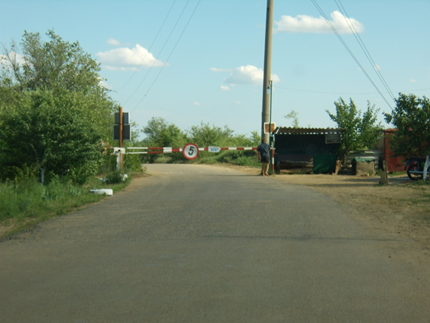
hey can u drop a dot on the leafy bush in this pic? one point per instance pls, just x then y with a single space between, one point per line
361 130
411 117
53 111
160 133
115 177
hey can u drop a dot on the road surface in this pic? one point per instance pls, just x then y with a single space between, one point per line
195 243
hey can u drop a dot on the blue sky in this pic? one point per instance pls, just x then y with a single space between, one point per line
193 61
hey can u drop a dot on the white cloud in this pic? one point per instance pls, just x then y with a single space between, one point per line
238 102
224 88
308 24
248 75
14 57
196 103
214 69
103 83
128 59
119 68
114 42
413 81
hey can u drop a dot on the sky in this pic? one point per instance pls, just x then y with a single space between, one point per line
201 61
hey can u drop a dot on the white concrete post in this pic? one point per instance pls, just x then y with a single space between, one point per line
426 166
118 151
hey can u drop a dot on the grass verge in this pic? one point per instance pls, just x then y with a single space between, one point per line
26 203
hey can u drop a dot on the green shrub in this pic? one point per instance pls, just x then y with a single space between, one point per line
115 177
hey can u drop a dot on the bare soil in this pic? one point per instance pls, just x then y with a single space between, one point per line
401 208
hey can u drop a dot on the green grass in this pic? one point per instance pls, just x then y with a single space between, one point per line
420 183
25 203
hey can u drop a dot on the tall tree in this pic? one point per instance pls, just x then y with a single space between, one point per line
159 133
361 130
53 109
411 117
54 65
206 135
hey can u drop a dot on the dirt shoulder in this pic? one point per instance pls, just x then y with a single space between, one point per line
400 209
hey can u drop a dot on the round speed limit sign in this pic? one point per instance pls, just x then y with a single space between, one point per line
190 151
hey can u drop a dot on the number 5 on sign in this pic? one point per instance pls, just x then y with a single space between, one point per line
190 151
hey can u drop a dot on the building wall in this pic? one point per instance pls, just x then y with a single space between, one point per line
394 163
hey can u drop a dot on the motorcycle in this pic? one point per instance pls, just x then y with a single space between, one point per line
415 168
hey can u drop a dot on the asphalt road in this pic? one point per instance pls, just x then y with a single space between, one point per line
205 244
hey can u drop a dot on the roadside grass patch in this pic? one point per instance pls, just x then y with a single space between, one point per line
25 203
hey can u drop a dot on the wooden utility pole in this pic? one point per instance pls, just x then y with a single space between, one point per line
121 135
265 116
121 128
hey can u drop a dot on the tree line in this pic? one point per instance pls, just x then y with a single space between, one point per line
410 117
55 113
54 110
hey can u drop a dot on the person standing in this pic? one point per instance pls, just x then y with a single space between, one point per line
264 155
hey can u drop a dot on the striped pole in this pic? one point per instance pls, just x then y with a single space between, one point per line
273 161
167 150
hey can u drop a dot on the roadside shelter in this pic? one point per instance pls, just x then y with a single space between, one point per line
315 148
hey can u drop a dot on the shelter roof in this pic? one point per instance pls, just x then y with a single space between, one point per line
307 131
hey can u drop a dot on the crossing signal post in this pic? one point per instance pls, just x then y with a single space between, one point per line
121 129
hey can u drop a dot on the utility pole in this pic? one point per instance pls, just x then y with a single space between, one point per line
121 134
265 116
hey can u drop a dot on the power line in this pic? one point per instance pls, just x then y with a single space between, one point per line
159 53
363 47
346 93
349 50
150 47
174 47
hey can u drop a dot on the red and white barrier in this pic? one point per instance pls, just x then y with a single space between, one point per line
167 150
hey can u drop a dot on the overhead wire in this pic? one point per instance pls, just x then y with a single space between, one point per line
349 93
349 51
150 47
159 53
174 47
364 48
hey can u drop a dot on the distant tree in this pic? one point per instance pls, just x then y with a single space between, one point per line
206 135
53 109
294 115
361 129
159 133
411 117
255 139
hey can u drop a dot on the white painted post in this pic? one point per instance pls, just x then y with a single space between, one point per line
118 161
42 175
118 151
426 166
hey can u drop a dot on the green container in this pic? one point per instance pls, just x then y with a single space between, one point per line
324 163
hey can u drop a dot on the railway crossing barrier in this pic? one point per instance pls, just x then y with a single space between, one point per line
190 151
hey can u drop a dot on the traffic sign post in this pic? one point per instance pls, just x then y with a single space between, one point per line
122 127
121 131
